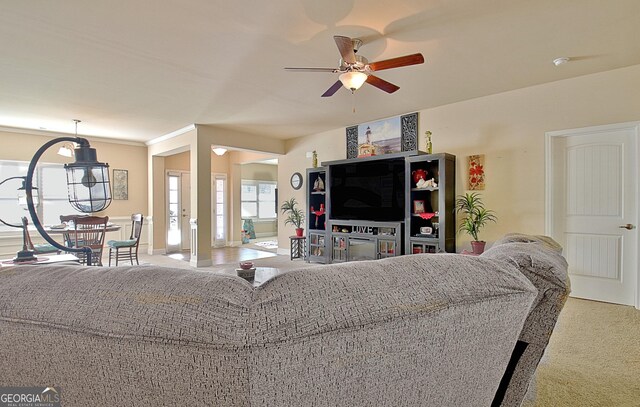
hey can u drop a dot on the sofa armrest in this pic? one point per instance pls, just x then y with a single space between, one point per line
539 259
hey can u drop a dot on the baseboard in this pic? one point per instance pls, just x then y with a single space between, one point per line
201 263
266 234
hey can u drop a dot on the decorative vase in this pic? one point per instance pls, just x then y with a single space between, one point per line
299 232
477 247
418 175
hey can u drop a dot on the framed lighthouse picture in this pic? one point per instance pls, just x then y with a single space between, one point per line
386 136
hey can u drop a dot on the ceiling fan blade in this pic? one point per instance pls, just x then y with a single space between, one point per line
330 70
333 89
382 84
412 59
345 46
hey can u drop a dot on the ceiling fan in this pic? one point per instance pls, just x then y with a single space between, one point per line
355 70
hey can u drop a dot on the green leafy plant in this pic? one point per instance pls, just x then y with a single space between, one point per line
475 215
295 216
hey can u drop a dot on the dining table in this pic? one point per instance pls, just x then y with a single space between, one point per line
62 229
66 230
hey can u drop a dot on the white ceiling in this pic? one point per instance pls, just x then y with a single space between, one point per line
137 69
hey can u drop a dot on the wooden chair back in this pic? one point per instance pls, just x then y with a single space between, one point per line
90 231
136 227
67 219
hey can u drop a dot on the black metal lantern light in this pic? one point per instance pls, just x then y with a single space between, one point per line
88 187
88 181
26 254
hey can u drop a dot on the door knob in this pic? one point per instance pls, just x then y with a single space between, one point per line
628 226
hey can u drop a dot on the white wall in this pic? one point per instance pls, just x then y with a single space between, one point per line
509 129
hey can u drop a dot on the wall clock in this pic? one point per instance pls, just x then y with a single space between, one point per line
296 180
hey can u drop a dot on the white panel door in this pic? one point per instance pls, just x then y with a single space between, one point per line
594 177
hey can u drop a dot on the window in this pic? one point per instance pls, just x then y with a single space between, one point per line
51 181
175 235
258 200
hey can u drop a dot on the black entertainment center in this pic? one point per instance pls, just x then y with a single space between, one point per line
371 207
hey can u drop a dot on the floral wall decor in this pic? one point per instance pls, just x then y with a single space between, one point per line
120 184
476 172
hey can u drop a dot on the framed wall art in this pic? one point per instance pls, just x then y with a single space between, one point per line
387 136
476 172
120 184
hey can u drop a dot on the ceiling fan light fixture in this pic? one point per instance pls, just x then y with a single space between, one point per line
353 80
561 61
219 150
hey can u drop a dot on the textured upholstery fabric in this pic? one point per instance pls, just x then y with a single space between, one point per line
414 330
522 238
538 258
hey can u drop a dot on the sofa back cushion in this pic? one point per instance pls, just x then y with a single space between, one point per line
435 329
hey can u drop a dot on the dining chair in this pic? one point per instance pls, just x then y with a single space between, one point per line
69 220
89 231
127 249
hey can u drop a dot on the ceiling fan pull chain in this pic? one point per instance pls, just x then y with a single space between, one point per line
353 99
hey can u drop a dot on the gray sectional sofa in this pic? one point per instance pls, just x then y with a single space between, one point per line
419 330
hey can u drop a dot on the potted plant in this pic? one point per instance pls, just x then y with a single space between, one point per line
475 217
295 216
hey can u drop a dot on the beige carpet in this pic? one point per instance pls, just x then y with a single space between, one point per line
593 358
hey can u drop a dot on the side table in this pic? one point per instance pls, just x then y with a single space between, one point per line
298 246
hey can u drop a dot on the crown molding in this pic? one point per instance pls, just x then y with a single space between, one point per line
53 134
171 135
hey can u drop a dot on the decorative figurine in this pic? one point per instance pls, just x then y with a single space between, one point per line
430 183
315 159
429 144
318 185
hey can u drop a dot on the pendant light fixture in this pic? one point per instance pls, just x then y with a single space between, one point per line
88 179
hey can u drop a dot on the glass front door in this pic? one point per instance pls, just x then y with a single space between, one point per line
219 218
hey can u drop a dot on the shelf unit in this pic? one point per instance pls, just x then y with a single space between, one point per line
429 218
364 240
430 213
316 215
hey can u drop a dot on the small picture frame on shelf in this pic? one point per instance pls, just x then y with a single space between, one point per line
418 206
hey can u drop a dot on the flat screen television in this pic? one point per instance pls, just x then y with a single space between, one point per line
368 190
